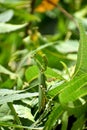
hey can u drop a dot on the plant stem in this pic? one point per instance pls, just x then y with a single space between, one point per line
17 120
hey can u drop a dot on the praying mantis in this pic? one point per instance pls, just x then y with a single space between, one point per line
42 83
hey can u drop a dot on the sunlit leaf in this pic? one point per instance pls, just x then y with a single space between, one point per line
7 92
24 112
4 113
6 16
15 97
69 46
5 27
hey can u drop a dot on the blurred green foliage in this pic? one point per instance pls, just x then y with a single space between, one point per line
38 52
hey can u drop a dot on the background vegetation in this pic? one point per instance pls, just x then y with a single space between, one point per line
42 78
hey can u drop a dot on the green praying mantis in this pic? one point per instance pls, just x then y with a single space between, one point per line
42 82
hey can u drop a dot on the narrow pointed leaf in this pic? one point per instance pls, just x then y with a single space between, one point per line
15 97
64 121
5 27
81 66
8 92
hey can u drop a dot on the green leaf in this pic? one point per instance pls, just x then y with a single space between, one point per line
54 57
5 27
51 73
8 84
31 73
24 112
27 17
6 118
6 16
55 114
4 113
64 121
78 94
8 92
71 86
74 89
81 65
68 46
53 92
15 97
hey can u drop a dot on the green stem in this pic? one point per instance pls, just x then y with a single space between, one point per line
17 120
